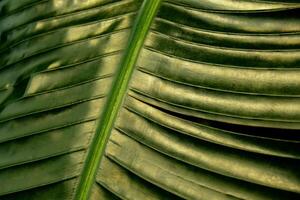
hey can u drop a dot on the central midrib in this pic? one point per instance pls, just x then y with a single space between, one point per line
114 101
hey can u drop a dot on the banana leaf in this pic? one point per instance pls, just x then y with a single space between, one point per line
149 99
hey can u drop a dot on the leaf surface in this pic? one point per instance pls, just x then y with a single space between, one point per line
98 100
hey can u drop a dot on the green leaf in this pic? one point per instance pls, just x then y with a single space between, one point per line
143 99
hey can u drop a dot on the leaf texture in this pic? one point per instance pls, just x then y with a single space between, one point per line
211 110
58 59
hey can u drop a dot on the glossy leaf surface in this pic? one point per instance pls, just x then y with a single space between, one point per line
99 101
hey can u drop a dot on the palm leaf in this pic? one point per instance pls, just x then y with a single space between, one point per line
132 99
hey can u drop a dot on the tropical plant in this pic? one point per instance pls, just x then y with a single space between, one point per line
143 99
